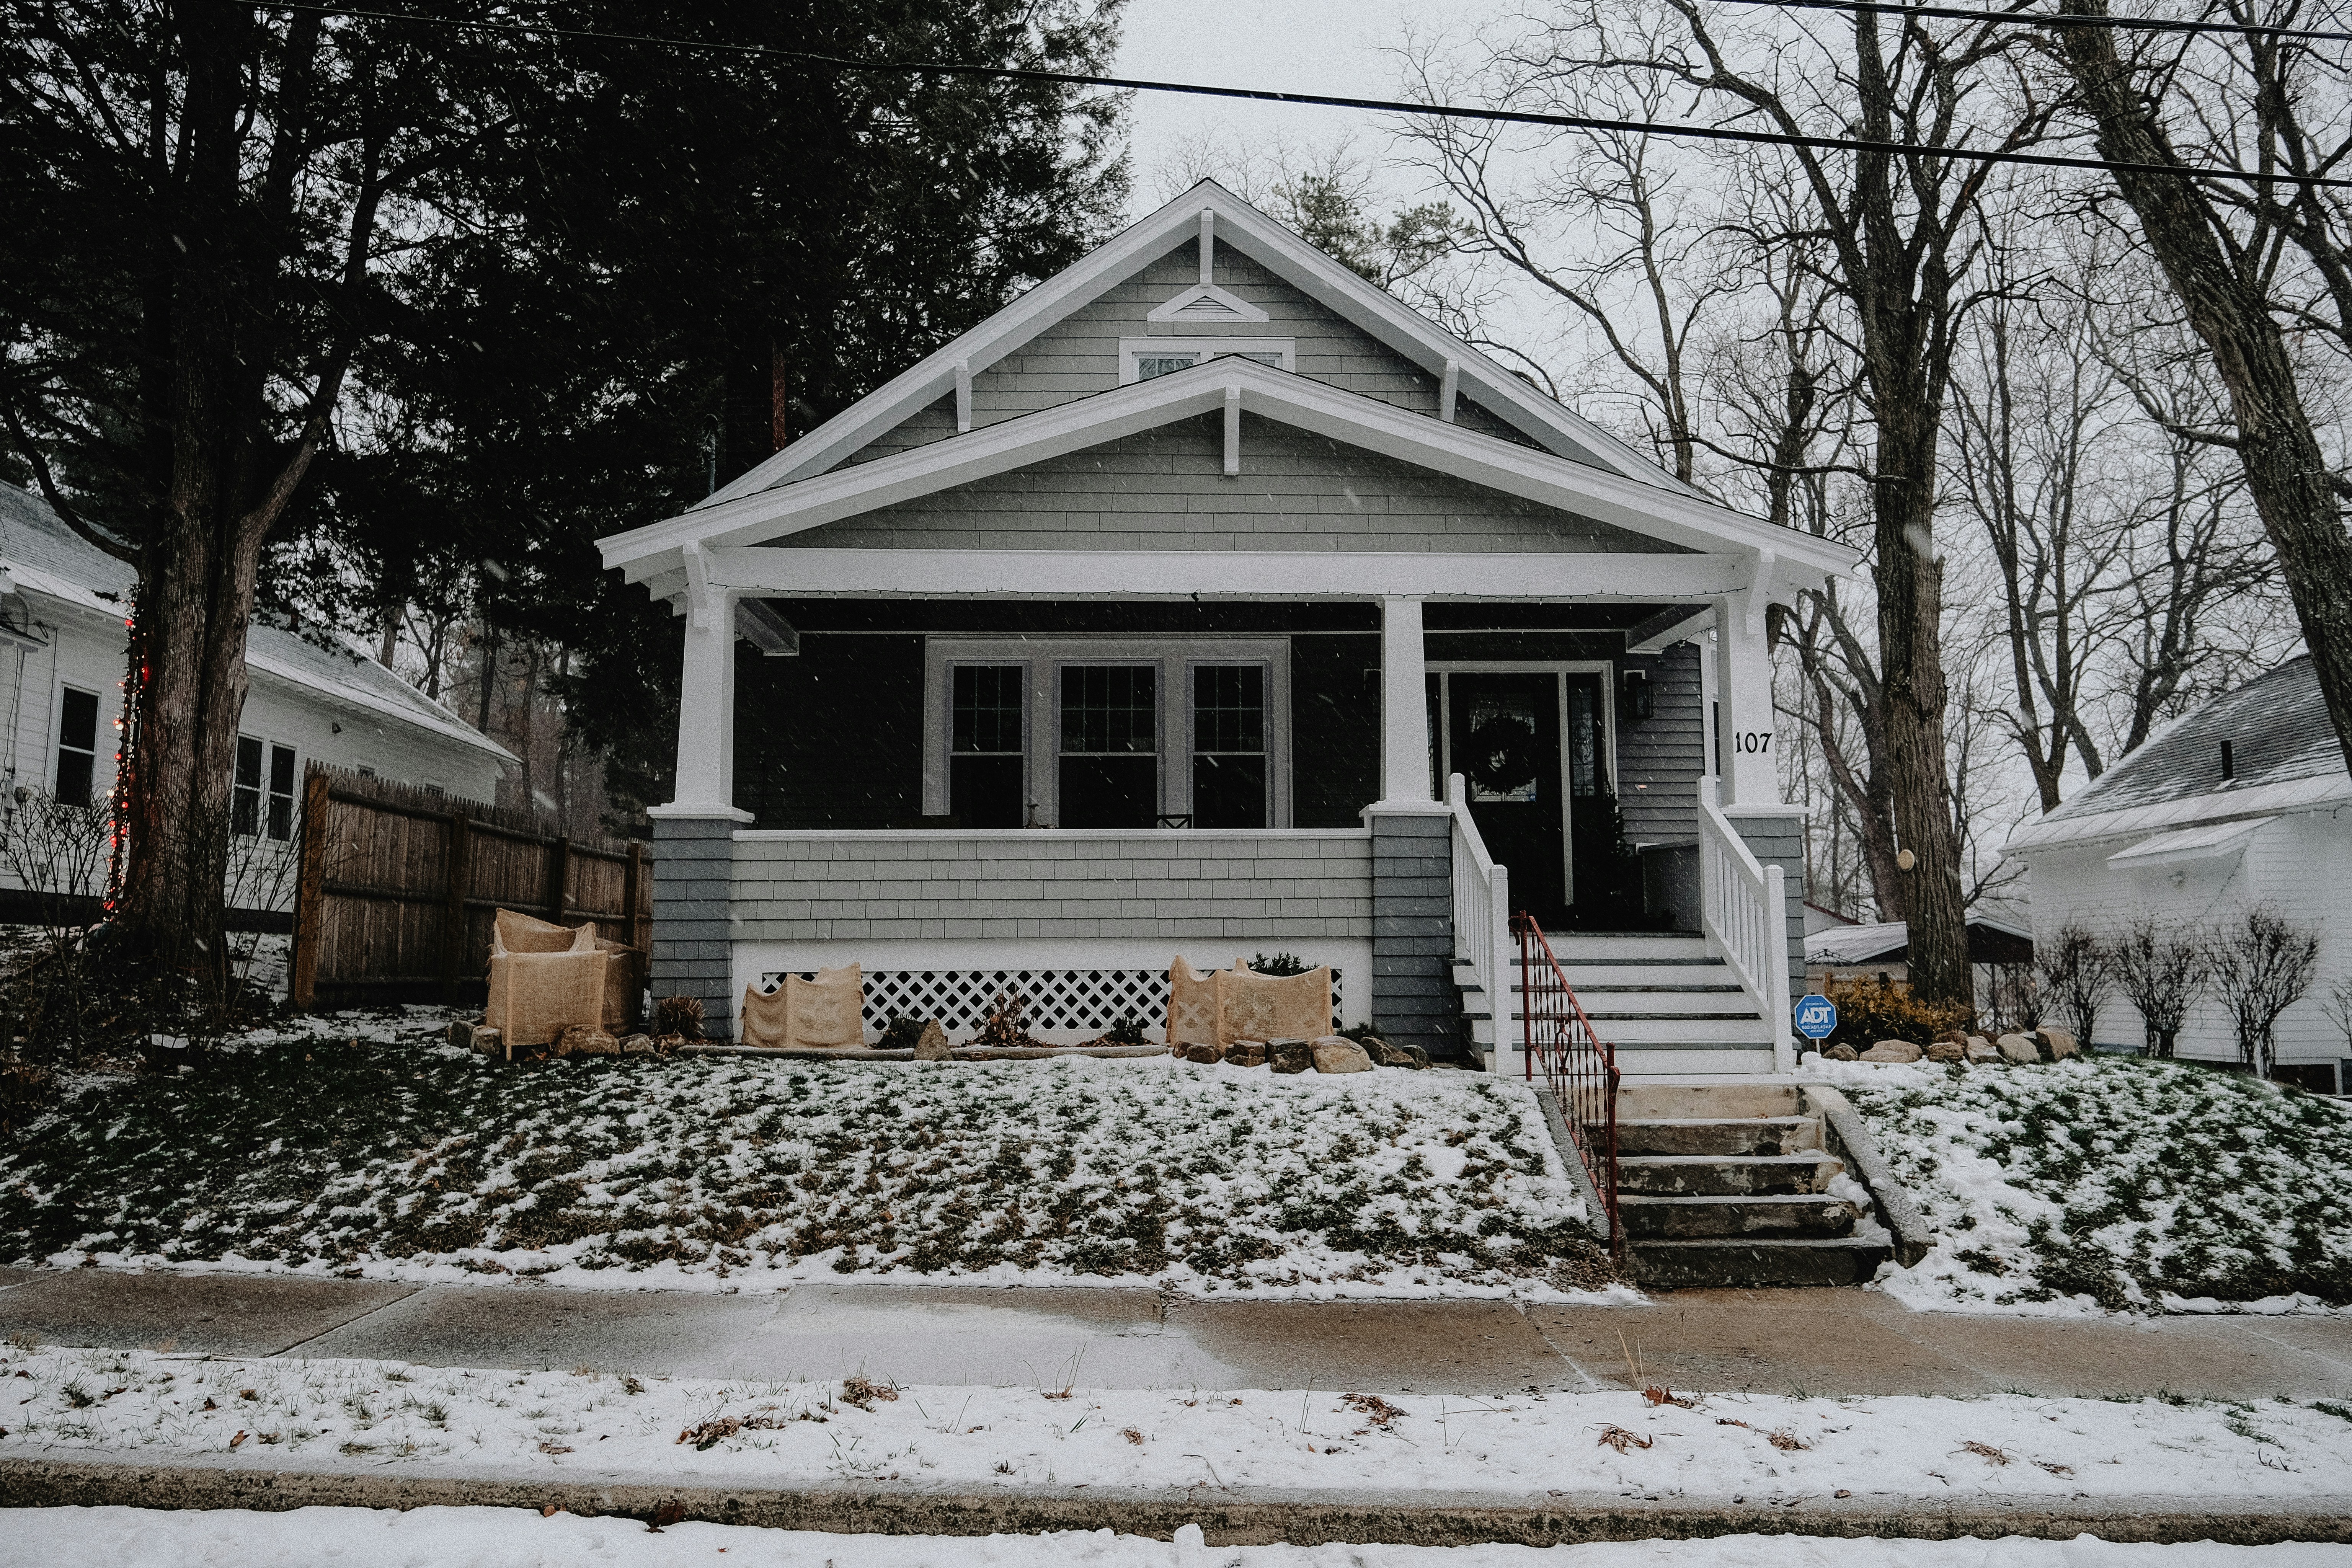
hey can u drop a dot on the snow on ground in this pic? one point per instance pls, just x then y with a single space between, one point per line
512 1538
331 1414
359 1144
2115 1184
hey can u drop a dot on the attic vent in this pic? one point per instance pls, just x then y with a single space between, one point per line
1208 305
1205 303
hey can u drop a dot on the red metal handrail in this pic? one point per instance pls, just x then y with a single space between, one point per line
1579 1066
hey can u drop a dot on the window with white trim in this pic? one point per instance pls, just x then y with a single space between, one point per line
1131 732
77 745
1143 359
261 799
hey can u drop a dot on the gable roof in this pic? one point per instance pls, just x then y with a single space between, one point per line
651 554
2284 752
39 551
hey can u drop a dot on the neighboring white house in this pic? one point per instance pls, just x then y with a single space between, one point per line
2243 801
62 647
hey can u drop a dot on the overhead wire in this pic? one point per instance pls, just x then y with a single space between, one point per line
1667 129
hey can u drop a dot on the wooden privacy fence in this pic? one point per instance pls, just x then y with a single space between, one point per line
399 887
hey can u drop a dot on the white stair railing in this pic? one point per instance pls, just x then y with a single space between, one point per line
1745 914
1482 919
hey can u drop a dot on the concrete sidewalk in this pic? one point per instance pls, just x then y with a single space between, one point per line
1775 1342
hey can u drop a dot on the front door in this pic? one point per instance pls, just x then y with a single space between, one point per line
1503 737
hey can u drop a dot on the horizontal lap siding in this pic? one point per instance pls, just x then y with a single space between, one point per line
1660 759
1044 886
1166 490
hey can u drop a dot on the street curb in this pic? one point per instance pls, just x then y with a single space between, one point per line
1914 1237
1229 1519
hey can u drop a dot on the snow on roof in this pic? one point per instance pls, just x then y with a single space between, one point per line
2210 841
2284 753
1990 936
41 553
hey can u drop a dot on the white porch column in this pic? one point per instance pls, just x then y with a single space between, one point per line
1743 686
706 698
1404 705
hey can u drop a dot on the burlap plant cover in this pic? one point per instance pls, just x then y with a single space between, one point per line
1193 1015
543 979
824 1014
1253 1007
623 972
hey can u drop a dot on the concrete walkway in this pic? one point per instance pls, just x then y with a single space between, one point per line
1777 1342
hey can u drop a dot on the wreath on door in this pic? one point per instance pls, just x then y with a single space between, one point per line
1502 756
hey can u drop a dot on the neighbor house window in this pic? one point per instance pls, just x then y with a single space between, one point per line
77 745
986 761
1109 765
1143 359
262 800
1229 776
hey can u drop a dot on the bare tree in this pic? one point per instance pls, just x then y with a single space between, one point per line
2161 971
2261 967
2339 1008
2076 972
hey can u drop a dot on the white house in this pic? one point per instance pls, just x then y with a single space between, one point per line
62 647
2243 801
1159 613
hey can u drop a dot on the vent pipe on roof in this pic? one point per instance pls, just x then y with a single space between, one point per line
2229 763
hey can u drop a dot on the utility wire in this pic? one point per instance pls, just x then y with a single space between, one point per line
1322 100
2051 18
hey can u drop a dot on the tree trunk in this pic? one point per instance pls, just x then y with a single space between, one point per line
2286 472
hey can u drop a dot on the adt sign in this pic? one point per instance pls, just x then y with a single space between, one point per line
1816 1017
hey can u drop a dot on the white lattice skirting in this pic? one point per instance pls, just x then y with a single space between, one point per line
1063 1003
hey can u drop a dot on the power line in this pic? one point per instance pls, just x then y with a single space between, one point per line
2052 19
1314 100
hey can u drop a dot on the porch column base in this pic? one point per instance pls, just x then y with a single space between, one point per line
1775 835
693 937
1412 997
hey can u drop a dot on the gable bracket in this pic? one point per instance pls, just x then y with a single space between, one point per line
1449 390
1232 428
701 596
1759 591
963 397
1208 244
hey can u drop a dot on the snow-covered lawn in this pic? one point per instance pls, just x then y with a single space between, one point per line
508 1538
365 1146
2115 1183
368 1415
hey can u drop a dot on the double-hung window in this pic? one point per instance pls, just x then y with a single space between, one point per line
77 745
1109 768
261 800
986 760
1229 773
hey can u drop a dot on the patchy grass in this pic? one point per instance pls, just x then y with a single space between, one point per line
2120 1184
395 1156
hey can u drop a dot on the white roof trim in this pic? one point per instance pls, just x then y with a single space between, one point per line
1136 247
443 725
1686 519
2213 841
2321 792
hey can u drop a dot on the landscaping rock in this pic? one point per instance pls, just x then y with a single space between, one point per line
581 1040
1201 1051
1388 1055
1980 1049
931 1045
1893 1051
2061 1043
2018 1047
1947 1051
1289 1056
1840 1053
1245 1054
639 1045
1337 1053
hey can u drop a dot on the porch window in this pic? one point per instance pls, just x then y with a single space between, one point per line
77 745
986 764
1109 772
262 803
1229 776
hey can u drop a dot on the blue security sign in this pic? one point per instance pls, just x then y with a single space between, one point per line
1816 1017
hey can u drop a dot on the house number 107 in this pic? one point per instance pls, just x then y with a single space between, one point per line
1752 741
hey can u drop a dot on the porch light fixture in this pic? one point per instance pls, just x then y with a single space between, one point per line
1637 695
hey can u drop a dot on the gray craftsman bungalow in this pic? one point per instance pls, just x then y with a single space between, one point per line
1208 601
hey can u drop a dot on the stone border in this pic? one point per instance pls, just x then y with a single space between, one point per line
958 1052
1596 1212
1229 1519
1914 1237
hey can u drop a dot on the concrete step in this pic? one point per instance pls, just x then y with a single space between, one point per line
1717 1136
1747 1218
1724 1175
1756 1265
1712 1101
1666 1063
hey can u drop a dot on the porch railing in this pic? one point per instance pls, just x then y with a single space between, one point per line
1571 1059
1744 912
1482 914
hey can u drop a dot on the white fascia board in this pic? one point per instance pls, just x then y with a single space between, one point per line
360 700
1219 574
2323 791
2186 846
1297 401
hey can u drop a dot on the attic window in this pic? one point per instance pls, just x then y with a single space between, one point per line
1144 359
